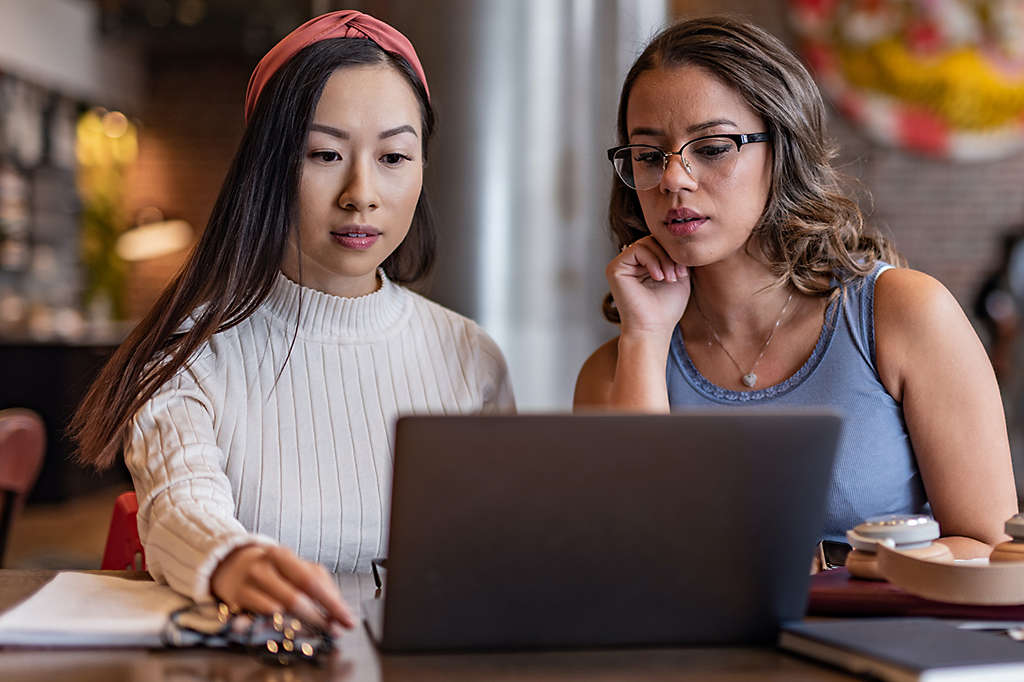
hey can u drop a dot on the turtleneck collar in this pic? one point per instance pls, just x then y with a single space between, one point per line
324 316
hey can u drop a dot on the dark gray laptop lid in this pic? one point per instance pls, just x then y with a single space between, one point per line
568 531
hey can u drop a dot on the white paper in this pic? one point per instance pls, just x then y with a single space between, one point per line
81 609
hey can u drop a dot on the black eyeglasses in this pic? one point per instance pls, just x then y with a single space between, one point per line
278 638
707 159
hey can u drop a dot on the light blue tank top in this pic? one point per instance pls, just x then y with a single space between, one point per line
875 470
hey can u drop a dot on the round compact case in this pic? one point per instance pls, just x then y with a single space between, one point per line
901 549
911 534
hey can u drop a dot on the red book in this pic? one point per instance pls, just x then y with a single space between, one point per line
836 593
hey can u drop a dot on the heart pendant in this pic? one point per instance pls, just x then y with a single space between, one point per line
750 380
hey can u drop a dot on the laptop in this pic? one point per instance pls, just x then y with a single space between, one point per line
569 531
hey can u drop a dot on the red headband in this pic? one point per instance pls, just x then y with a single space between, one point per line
346 23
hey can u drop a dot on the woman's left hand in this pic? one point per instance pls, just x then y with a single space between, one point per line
649 288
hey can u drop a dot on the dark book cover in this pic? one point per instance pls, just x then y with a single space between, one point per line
907 649
837 593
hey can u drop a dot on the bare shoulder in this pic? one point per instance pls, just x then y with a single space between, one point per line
917 321
908 302
594 383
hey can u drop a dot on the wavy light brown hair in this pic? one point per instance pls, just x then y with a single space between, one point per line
811 231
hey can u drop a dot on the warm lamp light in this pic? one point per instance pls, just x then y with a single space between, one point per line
154 239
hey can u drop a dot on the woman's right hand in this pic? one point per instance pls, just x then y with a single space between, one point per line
650 289
269 579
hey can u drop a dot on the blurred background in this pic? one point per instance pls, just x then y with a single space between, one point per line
118 119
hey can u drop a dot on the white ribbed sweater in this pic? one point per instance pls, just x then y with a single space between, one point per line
226 453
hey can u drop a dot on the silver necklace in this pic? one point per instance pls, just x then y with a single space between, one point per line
748 378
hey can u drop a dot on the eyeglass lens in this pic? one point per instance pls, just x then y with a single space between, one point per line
706 160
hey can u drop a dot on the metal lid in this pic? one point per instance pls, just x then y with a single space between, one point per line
1015 526
902 529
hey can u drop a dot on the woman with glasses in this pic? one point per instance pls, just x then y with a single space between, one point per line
746 277
255 403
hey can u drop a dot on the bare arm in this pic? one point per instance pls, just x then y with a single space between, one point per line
625 374
628 373
931 361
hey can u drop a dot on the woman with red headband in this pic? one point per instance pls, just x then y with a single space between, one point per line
255 402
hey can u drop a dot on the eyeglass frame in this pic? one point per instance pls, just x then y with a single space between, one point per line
739 139
375 563
276 637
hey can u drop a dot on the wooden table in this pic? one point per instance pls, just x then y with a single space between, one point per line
356 659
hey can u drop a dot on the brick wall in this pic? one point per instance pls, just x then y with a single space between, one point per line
946 218
191 124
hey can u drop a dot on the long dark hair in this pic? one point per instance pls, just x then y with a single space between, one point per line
232 268
810 231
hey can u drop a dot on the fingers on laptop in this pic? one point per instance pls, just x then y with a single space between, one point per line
274 580
314 583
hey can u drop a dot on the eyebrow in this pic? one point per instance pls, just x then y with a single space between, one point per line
398 131
697 127
343 135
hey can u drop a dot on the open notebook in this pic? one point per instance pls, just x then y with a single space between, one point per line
81 610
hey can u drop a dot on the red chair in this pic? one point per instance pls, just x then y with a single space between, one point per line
124 549
22 446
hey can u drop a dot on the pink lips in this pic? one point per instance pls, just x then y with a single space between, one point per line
358 237
683 221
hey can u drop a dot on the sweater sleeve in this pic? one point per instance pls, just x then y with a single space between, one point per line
186 507
493 377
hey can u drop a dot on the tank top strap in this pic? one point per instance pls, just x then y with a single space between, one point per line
858 301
